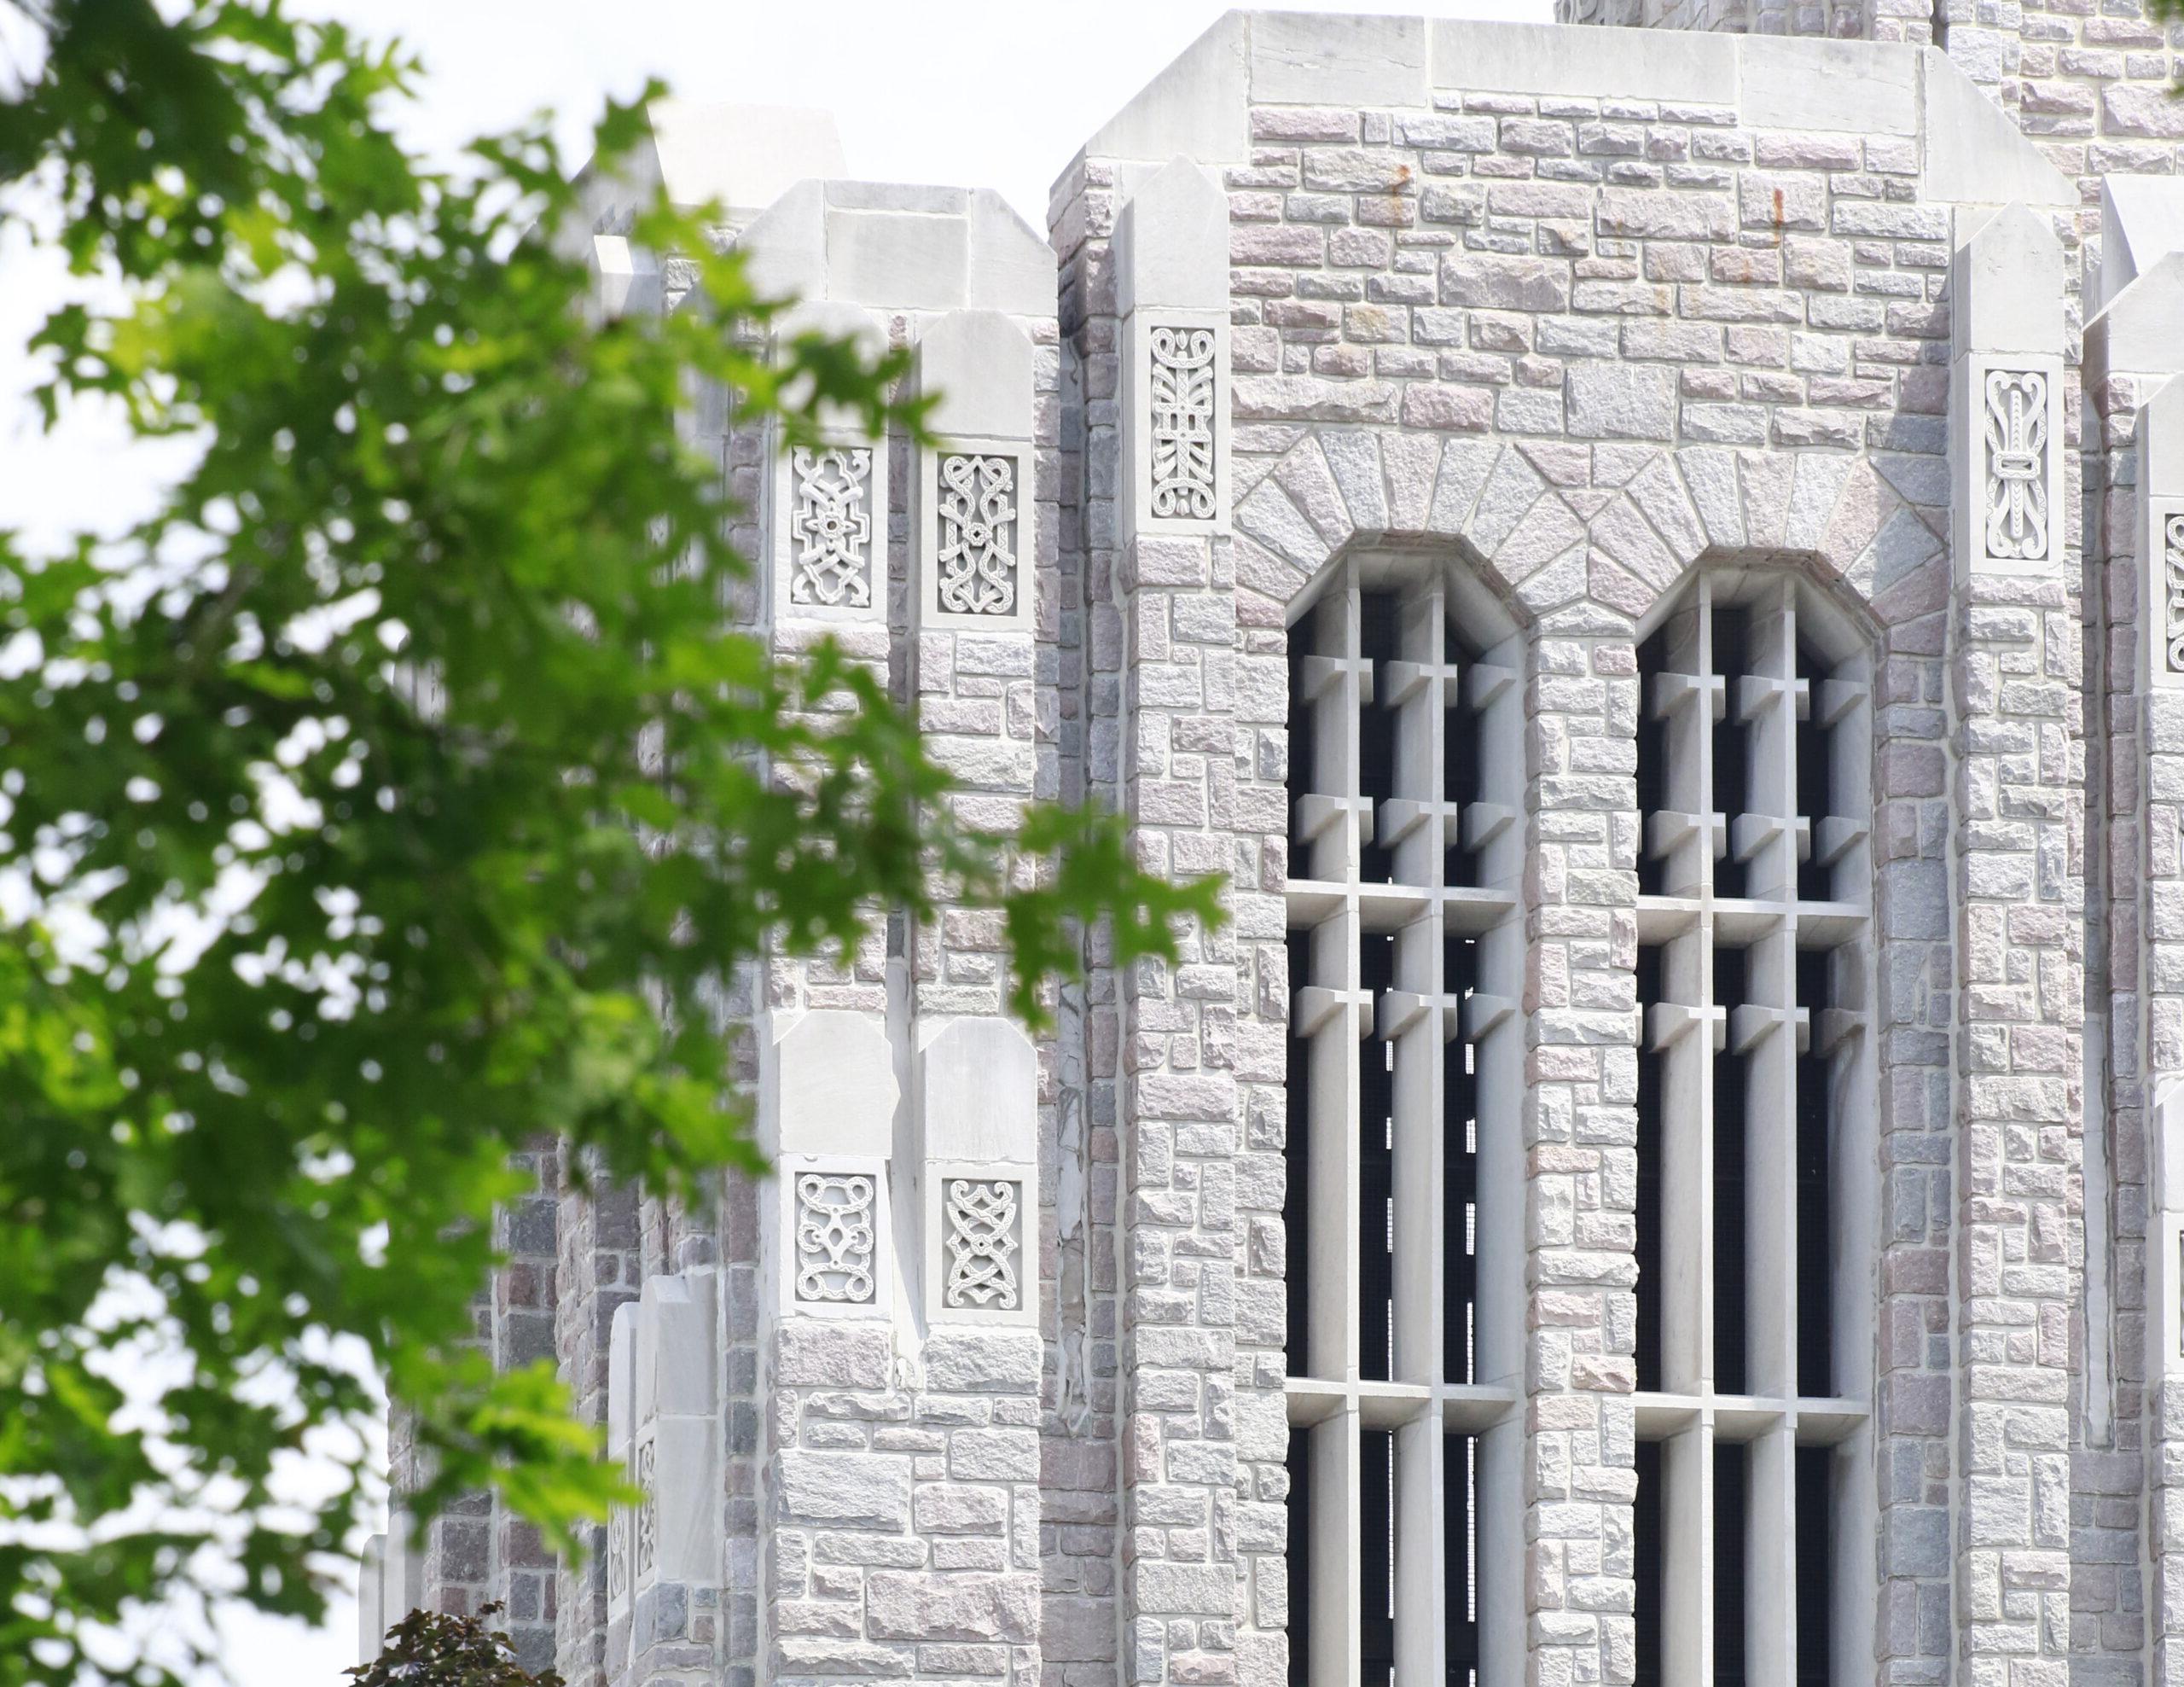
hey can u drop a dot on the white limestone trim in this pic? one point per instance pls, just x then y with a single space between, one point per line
390 1584
620 1544
1691 1414
792 1297
2165 1241
2005 414
1160 417
981 1231
978 531
833 1087
2161 535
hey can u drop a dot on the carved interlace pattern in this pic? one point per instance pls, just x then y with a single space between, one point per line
982 1245
1183 423
832 527
2172 570
835 1238
618 1555
2017 465
978 535
646 1476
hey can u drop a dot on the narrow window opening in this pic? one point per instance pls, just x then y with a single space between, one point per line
1816 1566
1296 1160
1376 1166
1816 744
1730 1320
1300 1556
1651 1151
1381 627
1652 759
1729 1565
1815 1216
1376 1477
1732 769
1459 1558
1649 1551
1460 1201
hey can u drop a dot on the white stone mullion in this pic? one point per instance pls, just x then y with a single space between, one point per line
1419 1106
2158 541
1581 1082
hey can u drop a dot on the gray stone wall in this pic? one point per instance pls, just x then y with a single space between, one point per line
1581 315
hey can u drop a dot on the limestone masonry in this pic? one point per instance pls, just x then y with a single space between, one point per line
1653 558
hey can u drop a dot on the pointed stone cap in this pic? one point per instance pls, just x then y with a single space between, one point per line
1171 242
2141 221
2143 330
2008 286
980 363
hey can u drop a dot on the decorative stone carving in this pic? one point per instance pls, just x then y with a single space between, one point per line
836 1237
645 1552
977 512
2172 571
984 1244
619 1529
2017 446
831 526
1180 391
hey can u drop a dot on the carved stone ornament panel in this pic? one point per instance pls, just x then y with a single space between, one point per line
837 1237
976 503
984 1244
645 1552
620 1527
2169 535
1182 393
2018 526
831 526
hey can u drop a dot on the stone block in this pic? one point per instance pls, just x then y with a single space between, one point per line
853 1490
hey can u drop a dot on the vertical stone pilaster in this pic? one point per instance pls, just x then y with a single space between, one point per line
526 1233
2019 802
2158 542
1182 1111
1580 1124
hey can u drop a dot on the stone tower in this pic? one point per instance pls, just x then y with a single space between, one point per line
1655 563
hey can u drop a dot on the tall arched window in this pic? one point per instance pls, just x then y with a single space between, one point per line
1758 1166
1405 1201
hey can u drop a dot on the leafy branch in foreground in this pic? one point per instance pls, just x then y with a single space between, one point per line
383 800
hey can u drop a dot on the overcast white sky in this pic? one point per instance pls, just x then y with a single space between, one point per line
973 93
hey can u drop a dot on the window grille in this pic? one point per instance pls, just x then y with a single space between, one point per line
1758 1167
1405 1199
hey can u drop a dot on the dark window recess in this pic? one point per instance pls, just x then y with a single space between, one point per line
1300 1556
1650 1124
1460 769
1814 744
1652 763
1375 1171
1732 771
1303 763
1459 1558
1729 1324
1648 1546
1296 1158
1381 626
1816 1566
1376 1637
1460 1199
1815 1218
1729 1565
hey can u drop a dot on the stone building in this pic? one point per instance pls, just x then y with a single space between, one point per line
1655 562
